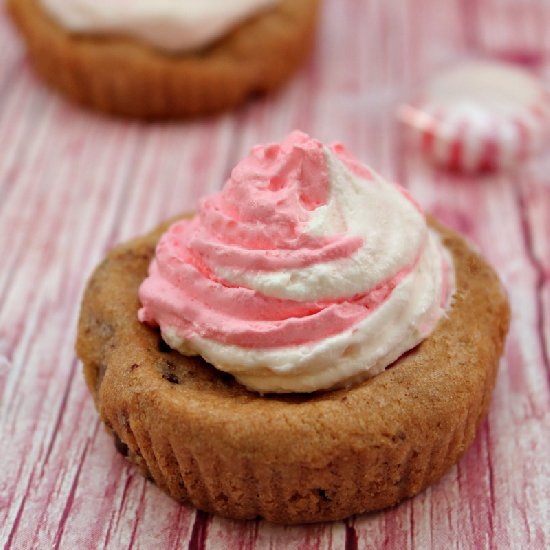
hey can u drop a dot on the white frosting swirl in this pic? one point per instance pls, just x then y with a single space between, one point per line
171 25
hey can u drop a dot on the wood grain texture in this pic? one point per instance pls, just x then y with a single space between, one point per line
72 184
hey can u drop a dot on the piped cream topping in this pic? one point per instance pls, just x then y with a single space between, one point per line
307 271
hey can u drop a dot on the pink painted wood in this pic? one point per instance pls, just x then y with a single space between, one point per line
72 184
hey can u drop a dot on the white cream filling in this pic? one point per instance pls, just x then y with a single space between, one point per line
171 25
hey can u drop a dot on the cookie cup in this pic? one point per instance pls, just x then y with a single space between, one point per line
206 440
126 77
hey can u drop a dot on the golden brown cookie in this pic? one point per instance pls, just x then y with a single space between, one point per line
207 440
122 76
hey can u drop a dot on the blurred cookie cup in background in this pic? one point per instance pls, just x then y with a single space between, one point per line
165 59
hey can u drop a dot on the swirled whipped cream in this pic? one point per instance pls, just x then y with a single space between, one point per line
307 271
171 25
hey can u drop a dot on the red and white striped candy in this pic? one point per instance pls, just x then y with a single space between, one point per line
480 116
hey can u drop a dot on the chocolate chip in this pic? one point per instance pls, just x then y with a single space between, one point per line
399 436
163 347
226 377
222 498
323 494
134 366
172 378
120 446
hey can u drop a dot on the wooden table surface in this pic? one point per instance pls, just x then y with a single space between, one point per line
72 184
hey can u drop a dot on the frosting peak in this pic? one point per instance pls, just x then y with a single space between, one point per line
270 194
260 220
306 271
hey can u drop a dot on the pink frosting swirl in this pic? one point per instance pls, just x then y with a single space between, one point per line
304 255
258 223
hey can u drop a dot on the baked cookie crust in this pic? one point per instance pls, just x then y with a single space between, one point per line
125 77
206 440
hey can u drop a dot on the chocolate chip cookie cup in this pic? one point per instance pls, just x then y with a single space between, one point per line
358 442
